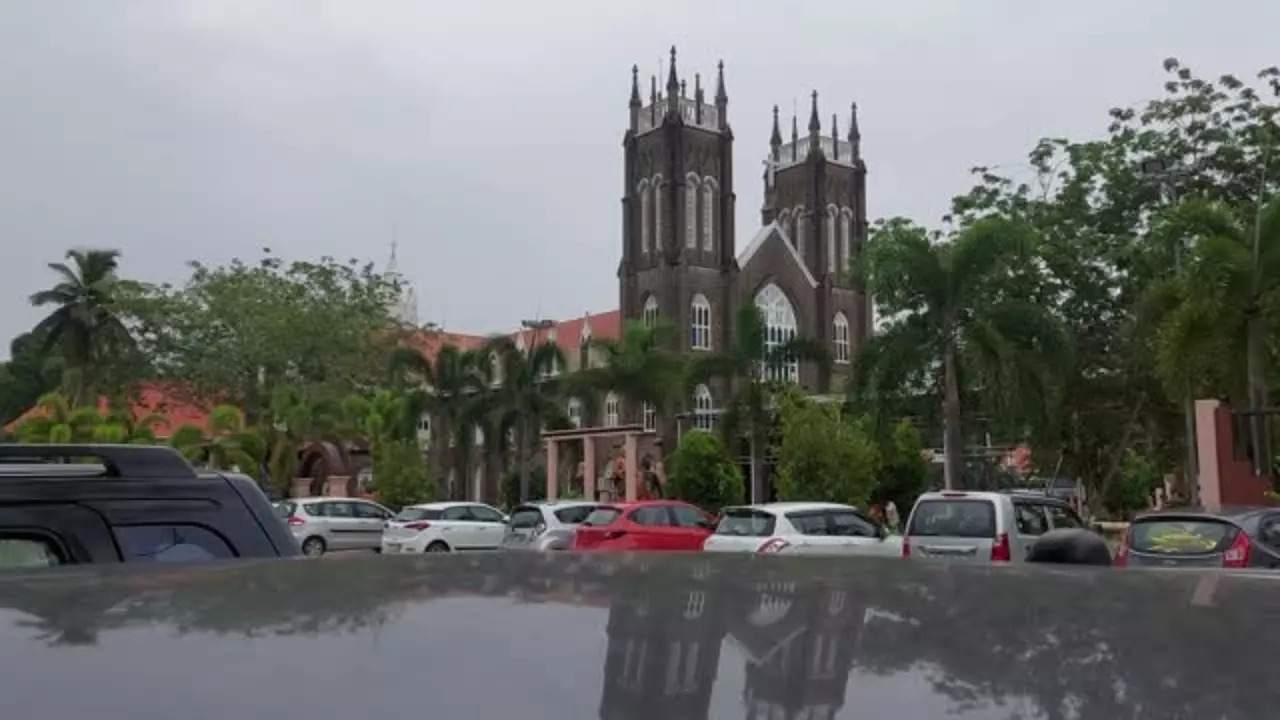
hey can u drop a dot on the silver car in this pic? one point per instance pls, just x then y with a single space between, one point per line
546 526
322 524
982 526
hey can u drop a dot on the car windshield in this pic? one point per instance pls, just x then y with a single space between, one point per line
284 509
1175 536
954 518
743 522
411 514
602 516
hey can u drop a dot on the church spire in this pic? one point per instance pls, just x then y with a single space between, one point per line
855 135
815 125
835 136
795 133
775 140
673 86
721 97
635 86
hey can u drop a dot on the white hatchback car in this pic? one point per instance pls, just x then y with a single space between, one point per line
444 527
801 528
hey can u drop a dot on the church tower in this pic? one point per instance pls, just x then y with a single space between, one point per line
678 208
815 189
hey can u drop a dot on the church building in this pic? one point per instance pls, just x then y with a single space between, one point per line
680 259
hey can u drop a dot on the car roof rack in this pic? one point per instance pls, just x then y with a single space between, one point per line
124 461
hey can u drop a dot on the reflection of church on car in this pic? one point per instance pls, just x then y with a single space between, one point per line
665 642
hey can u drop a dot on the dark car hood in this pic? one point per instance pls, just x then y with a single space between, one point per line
568 636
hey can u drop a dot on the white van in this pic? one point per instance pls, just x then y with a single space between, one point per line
982 526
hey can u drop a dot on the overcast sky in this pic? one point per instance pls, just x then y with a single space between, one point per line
487 133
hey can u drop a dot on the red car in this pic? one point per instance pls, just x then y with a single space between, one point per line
646 525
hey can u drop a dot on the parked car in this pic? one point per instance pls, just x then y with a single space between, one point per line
1240 538
982 526
444 527
322 524
800 528
645 525
546 526
73 504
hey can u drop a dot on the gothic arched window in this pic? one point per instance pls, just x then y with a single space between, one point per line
649 416
574 411
840 338
846 234
831 237
650 314
658 229
703 408
646 217
780 329
700 323
691 211
612 408
710 195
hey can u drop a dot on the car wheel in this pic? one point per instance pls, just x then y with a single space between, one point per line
313 547
437 547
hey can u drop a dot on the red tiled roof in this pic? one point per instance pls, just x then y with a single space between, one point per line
153 398
566 333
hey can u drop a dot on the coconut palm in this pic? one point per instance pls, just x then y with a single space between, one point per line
83 321
744 368
227 445
948 323
528 396
640 367
447 393
295 418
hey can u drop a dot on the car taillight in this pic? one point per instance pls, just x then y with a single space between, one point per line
294 520
1000 551
1122 552
417 526
773 545
1237 556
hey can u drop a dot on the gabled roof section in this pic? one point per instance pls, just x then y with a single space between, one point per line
762 236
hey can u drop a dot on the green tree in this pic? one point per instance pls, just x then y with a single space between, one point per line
904 473
85 322
401 475
240 330
529 395
228 444
295 417
57 421
33 369
703 473
745 368
951 325
824 454
1139 478
640 367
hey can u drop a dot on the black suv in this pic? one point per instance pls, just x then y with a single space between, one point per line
70 504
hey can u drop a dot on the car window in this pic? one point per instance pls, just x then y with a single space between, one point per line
284 509
813 522
28 551
688 517
1030 518
1176 536
850 524
745 522
369 511
954 518
485 514
574 515
602 516
170 543
1063 517
315 509
340 510
523 518
652 516
412 514
458 512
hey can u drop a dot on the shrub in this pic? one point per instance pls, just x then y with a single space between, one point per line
702 473
825 455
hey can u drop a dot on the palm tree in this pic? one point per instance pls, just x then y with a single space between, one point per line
58 422
228 444
1223 306
745 368
295 418
83 321
451 386
949 323
640 367
528 395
